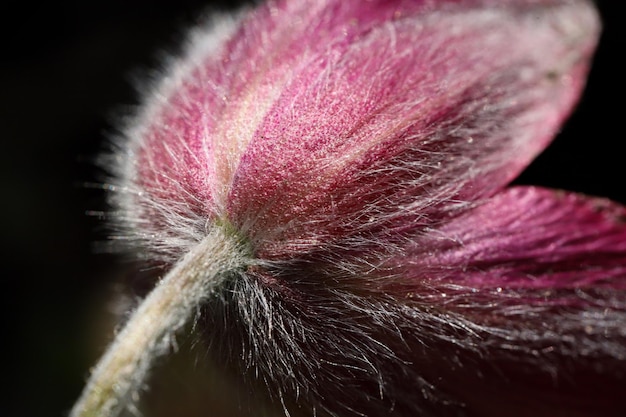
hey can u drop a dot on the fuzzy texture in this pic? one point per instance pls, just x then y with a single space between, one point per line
361 149
322 122
116 381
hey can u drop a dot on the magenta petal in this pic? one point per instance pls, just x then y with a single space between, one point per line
540 275
392 126
186 143
532 285
189 138
530 259
533 241
308 123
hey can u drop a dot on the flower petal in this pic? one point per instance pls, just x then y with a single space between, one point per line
534 241
185 144
529 257
537 281
383 129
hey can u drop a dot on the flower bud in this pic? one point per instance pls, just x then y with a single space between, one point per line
355 155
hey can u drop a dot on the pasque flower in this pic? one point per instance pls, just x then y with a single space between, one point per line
329 179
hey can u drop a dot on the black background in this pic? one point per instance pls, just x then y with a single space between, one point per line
66 69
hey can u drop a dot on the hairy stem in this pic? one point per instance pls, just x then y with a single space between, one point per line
122 370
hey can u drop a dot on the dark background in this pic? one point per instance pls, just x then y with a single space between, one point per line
66 70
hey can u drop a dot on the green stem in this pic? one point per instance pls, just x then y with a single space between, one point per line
122 370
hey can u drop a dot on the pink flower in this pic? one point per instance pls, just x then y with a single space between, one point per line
361 151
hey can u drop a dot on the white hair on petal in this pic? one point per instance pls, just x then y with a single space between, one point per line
130 201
